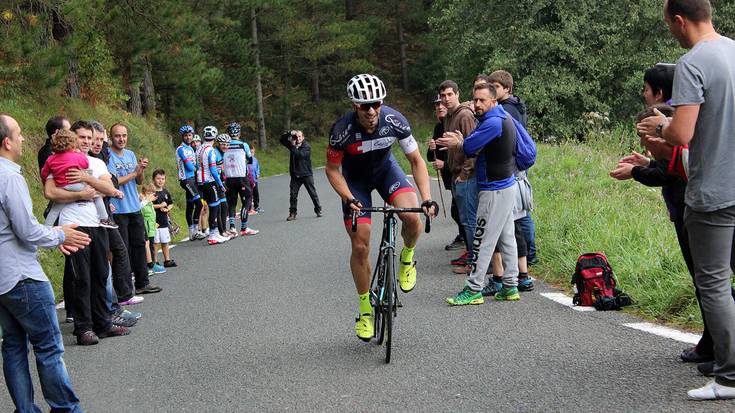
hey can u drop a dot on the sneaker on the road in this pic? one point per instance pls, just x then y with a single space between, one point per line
123 322
214 241
198 236
466 297
507 294
407 276
461 260
252 212
319 214
87 338
457 244
291 216
148 289
131 314
136 299
259 209
108 223
223 238
365 327
114 331
525 284
489 290
712 391
170 263
462 269
249 231
158 269
232 233
150 271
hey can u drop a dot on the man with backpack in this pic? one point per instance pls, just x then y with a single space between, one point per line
493 142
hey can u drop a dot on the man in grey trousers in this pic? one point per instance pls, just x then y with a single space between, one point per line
704 97
493 142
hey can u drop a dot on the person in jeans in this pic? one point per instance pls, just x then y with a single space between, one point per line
299 167
461 118
704 98
27 307
129 172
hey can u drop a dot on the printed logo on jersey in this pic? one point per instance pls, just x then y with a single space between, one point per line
358 136
396 123
334 140
372 145
384 131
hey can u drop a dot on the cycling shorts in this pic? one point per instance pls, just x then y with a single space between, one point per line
238 187
190 189
389 183
210 193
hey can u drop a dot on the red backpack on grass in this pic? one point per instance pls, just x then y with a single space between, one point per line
595 283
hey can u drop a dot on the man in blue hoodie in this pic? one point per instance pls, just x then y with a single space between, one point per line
493 142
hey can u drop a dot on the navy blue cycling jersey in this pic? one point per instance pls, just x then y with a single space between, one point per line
363 155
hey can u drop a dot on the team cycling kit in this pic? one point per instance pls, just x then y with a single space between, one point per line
186 165
366 158
238 185
207 176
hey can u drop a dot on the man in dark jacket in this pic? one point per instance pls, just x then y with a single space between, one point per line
299 167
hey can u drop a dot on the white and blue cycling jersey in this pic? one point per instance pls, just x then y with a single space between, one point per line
207 165
236 159
185 161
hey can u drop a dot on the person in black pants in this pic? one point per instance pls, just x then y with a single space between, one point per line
300 169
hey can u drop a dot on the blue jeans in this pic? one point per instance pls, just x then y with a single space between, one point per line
529 231
28 312
467 196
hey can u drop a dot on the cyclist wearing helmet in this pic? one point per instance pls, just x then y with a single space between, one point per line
221 142
210 185
360 144
186 165
236 158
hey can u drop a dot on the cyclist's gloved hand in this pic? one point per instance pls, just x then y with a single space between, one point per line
354 204
431 208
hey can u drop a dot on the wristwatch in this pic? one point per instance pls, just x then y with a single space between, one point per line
660 130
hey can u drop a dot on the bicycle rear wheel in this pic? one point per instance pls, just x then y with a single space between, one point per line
378 313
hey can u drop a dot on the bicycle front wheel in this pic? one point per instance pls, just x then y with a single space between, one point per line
389 302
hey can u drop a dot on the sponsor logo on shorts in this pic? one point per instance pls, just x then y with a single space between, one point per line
394 187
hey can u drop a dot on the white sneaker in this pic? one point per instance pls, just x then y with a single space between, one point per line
712 391
222 238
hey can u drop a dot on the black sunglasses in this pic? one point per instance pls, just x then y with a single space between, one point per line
367 106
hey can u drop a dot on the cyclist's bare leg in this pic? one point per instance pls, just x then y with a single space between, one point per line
359 260
411 228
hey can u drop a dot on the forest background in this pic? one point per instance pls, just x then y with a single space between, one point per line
278 65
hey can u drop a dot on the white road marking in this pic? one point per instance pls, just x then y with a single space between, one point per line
565 300
667 332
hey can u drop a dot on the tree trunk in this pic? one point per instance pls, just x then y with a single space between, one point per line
286 97
149 93
404 60
315 82
258 85
73 84
134 104
350 10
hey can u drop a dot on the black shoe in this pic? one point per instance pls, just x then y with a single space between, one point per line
319 214
87 338
457 244
691 355
291 216
706 369
170 263
148 289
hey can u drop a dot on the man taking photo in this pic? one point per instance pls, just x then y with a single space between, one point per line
299 166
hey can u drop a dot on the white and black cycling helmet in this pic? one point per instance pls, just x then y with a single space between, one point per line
209 133
223 138
366 88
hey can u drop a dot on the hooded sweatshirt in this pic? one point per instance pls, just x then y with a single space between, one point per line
463 120
516 108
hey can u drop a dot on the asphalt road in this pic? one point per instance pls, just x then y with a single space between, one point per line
265 323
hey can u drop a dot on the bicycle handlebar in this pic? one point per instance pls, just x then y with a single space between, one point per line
392 210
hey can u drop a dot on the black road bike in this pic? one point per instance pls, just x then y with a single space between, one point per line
383 286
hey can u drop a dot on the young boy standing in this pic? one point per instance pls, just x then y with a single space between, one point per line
162 204
149 223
